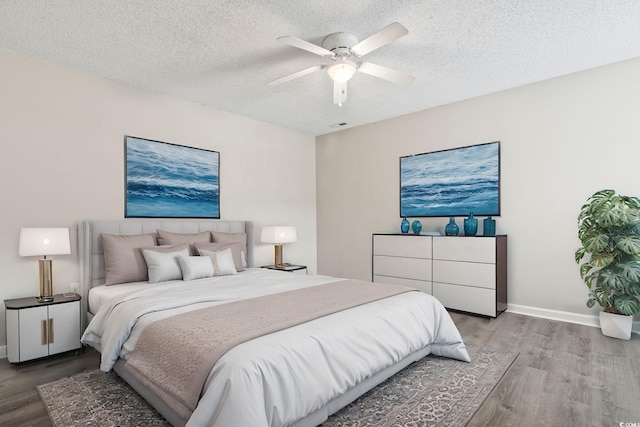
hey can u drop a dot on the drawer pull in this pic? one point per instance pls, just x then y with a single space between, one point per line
50 331
43 329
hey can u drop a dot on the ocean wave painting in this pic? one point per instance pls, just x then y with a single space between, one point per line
172 181
451 182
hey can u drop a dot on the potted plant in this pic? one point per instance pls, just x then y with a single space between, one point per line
609 229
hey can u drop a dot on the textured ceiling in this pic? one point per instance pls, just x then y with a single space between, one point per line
223 53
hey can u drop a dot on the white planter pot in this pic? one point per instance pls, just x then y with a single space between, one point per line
616 325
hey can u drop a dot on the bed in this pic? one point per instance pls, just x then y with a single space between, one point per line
295 375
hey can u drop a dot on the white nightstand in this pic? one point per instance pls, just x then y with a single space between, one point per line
299 269
37 329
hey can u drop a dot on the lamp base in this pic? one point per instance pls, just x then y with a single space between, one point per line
46 281
277 256
278 266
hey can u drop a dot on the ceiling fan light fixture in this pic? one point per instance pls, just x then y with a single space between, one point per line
342 71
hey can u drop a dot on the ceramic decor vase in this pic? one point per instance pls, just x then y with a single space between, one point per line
489 227
470 225
404 226
416 226
452 228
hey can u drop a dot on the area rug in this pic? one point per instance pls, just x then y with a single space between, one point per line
433 391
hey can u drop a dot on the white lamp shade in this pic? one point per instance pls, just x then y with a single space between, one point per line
278 234
44 241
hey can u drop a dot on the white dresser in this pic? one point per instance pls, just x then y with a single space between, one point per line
465 273
404 259
470 273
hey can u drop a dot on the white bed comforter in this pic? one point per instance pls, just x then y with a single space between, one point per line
280 378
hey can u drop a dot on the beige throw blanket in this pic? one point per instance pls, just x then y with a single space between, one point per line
173 356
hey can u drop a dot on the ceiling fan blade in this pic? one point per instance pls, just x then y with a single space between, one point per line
305 45
385 73
339 92
295 75
386 35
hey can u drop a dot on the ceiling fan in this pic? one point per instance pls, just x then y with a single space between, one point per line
344 49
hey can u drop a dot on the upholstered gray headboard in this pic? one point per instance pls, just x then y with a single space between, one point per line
92 269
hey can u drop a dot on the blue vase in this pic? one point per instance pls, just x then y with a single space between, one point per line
404 226
470 225
416 226
452 228
489 227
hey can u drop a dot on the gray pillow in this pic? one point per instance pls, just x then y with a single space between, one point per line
168 238
240 238
123 258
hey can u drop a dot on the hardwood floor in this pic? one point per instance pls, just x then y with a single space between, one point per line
565 375
20 404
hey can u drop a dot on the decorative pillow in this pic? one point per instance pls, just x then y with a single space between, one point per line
196 267
241 238
123 258
163 265
236 251
168 238
223 263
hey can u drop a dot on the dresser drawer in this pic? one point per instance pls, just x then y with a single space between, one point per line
402 246
472 249
464 298
465 273
409 268
424 286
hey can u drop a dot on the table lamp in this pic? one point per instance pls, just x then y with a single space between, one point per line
44 242
278 234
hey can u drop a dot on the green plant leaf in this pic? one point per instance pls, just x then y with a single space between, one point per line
584 269
631 271
601 259
604 300
603 194
596 243
580 254
610 215
610 280
627 304
629 244
634 290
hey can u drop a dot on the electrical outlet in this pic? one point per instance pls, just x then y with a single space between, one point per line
74 286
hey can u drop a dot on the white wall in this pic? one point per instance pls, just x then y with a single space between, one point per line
561 140
62 161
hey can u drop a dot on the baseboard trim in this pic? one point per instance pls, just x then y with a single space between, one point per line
3 351
563 316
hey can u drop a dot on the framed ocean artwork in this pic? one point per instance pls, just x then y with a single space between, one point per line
164 180
452 182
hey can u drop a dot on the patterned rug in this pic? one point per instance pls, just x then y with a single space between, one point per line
434 391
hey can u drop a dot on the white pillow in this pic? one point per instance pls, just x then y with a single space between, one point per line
163 266
222 261
196 267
